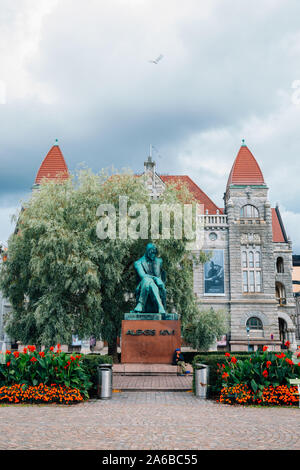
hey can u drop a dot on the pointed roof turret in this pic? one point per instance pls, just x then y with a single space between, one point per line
53 166
245 169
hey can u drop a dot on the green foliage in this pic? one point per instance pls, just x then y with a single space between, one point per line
214 361
203 327
61 279
90 362
261 370
45 367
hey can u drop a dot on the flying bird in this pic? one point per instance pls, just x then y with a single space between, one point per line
155 61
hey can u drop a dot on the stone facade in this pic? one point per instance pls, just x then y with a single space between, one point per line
257 289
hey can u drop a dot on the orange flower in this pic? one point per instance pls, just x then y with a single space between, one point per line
265 348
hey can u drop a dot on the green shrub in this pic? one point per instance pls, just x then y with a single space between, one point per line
90 364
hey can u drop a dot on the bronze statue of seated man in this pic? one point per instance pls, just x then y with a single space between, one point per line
151 291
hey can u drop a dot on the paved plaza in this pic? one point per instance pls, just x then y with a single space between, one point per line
149 421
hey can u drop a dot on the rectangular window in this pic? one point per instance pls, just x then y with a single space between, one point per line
245 281
258 281
251 281
251 269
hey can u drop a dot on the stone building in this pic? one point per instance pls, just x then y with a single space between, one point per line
249 275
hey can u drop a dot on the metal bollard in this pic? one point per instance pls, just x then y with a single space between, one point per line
104 386
201 380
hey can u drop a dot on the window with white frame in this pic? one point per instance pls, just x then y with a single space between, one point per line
251 269
249 212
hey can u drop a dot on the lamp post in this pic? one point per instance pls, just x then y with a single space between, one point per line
248 335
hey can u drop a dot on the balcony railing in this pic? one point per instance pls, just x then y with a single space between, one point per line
213 220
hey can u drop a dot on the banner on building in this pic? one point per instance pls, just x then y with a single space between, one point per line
214 273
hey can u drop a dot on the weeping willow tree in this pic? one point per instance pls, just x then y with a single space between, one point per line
62 279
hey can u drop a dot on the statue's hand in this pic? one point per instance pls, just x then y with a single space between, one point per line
159 282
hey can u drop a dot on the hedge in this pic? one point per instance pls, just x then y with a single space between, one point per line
90 363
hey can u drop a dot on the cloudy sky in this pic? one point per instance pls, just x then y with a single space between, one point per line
79 71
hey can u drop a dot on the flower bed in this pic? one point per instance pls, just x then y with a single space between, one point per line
261 379
42 376
242 395
21 393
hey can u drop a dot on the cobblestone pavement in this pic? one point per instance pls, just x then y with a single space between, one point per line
155 382
149 420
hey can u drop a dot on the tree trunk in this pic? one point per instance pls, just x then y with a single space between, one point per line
113 350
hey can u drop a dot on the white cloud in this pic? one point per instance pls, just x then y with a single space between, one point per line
79 71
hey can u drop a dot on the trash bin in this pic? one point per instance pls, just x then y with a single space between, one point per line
104 386
201 380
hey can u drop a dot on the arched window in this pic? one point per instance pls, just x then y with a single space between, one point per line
280 293
279 265
254 323
250 212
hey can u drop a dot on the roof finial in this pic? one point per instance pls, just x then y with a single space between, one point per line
243 143
56 142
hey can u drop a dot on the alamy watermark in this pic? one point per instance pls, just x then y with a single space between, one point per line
159 221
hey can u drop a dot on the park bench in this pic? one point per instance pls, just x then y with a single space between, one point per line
296 382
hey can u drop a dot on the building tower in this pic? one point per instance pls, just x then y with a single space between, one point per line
259 301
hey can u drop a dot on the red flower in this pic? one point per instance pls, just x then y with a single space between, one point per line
289 361
268 364
33 359
265 373
31 348
287 344
233 360
8 364
42 354
72 358
227 354
58 346
52 348
265 348
8 352
24 350
225 375
16 354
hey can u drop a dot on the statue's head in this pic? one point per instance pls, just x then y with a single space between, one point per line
151 251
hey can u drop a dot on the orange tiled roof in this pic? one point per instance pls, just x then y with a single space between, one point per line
278 236
245 169
53 166
195 190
